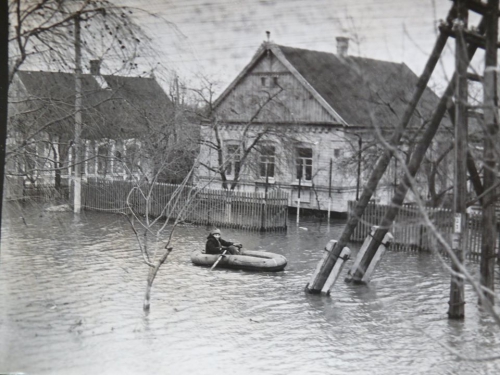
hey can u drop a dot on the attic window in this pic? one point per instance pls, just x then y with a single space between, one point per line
263 81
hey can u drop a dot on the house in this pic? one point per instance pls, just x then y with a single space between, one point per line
125 121
308 122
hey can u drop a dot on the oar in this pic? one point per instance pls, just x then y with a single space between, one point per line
218 260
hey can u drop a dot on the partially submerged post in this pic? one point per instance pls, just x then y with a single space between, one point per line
339 265
345 254
456 304
364 265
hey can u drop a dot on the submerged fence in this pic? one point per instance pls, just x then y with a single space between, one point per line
411 232
19 191
254 211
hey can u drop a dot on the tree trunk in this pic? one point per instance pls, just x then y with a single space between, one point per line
146 307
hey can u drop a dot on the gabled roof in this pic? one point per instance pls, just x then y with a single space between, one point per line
354 90
118 109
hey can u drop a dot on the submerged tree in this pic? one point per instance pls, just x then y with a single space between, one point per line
150 143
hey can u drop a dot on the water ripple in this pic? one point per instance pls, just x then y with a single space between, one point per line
71 291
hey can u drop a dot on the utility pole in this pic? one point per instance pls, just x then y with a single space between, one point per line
490 139
456 303
77 180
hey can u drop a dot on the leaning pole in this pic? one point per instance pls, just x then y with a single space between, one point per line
319 278
316 284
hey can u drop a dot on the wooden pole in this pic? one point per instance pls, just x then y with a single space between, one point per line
402 189
491 138
77 181
474 176
330 192
316 285
298 199
456 304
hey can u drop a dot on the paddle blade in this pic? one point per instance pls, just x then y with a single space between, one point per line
218 260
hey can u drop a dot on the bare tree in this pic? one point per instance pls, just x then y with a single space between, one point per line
149 228
42 35
253 152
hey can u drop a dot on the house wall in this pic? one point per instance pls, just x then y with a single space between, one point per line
323 140
270 99
296 118
291 101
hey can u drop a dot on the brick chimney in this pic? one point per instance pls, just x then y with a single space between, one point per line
95 67
342 45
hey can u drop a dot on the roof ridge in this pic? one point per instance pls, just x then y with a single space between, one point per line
340 57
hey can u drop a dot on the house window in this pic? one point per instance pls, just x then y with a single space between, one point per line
132 158
263 81
233 160
30 156
303 163
275 81
336 152
102 160
267 161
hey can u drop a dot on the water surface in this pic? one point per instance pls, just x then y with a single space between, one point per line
71 292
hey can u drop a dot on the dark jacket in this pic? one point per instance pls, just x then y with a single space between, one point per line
214 246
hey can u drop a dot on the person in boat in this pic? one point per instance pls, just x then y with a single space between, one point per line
216 245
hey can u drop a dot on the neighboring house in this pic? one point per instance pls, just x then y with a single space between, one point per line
125 121
311 119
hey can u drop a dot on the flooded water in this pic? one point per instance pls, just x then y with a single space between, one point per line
71 293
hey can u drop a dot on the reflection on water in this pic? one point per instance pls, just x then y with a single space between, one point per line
71 291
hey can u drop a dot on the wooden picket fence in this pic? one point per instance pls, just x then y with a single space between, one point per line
34 192
253 211
412 234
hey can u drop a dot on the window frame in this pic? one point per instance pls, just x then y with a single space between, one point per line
304 162
232 159
266 160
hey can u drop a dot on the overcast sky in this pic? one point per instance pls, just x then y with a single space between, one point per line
217 38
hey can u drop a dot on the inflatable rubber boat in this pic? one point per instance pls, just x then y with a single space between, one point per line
249 260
